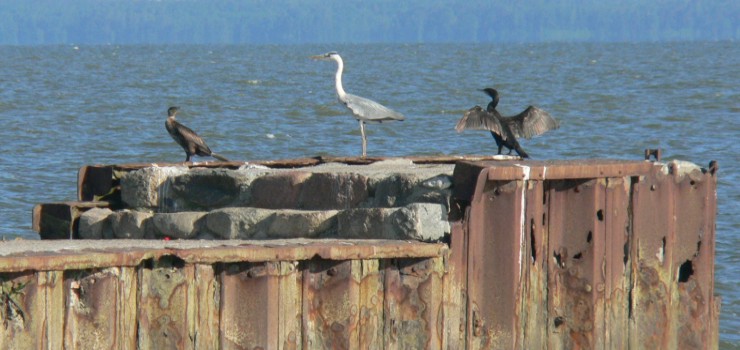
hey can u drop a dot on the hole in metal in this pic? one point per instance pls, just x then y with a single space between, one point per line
532 241
600 215
685 271
698 248
589 237
558 259
626 253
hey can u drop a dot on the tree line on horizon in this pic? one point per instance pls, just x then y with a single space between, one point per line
42 22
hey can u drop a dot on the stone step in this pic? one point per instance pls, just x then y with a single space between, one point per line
330 186
415 221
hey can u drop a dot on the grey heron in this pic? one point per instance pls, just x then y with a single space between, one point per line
364 110
187 138
527 124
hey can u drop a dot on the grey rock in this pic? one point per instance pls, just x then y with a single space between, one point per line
279 190
323 191
129 224
365 223
392 191
176 225
148 188
94 224
417 221
301 223
420 221
203 189
238 223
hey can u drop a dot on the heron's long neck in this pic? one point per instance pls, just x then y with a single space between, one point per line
338 78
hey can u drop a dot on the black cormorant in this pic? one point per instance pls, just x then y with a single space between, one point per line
187 138
531 122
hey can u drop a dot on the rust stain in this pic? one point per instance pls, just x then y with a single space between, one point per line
494 262
413 300
165 304
249 308
371 304
91 315
331 304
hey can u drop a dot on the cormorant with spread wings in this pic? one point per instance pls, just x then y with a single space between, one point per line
505 130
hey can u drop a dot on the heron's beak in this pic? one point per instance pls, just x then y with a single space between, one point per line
317 57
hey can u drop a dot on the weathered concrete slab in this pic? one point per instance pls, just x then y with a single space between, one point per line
145 188
418 221
301 223
176 225
329 186
129 224
238 223
94 224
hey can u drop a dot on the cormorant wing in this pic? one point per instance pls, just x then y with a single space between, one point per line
369 110
477 118
189 136
531 122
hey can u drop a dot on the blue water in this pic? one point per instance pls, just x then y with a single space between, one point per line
62 107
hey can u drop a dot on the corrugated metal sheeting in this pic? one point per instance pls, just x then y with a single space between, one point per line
294 294
591 255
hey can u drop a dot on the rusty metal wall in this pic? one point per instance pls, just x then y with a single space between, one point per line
561 255
335 295
607 256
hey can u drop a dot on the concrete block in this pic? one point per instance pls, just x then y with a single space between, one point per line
129 223
417 221
301 223
148 188
94 224
279 190
324 191
181 225
392 191
420 221
207 189
365 223
239 223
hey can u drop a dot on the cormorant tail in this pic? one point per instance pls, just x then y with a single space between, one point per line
219 157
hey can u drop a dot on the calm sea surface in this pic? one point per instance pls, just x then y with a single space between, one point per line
62 107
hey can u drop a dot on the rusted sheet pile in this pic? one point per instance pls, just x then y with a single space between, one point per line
589 254
594 254
293 294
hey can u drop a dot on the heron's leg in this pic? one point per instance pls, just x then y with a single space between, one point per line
364 139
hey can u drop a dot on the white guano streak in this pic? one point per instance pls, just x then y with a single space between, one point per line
525 178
